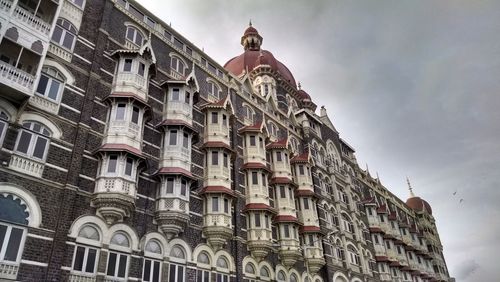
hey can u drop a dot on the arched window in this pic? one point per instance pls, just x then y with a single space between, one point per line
353 255
250 272
249 114
117 266
222 269
86 252
281 277
33 140
293 278
204 266
4 124
273 129
51 84
177 64
347 223
153 255
177 270
64 34
339 250
214 89
14 210
265 274
134 36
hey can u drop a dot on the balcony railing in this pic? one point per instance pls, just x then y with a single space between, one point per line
74 277
8 270
5 6
16 78
26 165
27 18
60 52
115 185
217 219
44 104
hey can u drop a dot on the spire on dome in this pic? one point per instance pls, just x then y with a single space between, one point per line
251 39
299 86
409 187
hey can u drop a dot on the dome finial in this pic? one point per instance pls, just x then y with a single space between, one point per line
299 86
250 22
409 187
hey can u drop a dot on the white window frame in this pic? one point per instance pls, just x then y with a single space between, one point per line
214 89
64 32
85 258
134 36
178 63
33 141
4 121
7 238
151 269
52 75
117 265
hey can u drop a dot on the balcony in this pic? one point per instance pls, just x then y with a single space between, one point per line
172 215
60 52
314 258
259 242
19 81
253 154
128 82
124 132
176 156
78 277
217 175
5 6
217 228
26 165
178 110
8 270
289 251
44 104
114 198
217 133
32 23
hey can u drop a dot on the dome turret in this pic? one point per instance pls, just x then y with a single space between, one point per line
251 39
416 203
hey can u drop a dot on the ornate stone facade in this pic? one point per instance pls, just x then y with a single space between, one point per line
129 154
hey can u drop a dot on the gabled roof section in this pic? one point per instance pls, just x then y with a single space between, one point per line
326 120
280 144
145 48
191 79
302 158
223 103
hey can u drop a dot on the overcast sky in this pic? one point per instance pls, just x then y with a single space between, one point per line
412 85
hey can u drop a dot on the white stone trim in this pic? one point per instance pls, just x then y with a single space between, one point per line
40 237
31 262
10 110
56 132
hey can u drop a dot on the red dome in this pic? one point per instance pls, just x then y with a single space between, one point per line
250 30
303 95
250 59
418 204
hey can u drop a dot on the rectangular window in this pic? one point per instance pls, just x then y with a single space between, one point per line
255 181
264 182
85 259
215 204
381 218
252 140
142 68
311 240
128 167
185 140
113 160
287 231
215 158
224 120
215 118
301 169
306 203
39 150
135 115
173 138
127 66
257 219
170 185
10 242
24 142
183 187
261 142
202 276
176 94
226 205
226 163
117 265
266 219
152 269
278 157
120 112
176 273
187 98
282 192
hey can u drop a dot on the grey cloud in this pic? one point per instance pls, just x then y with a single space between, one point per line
412 85
467 268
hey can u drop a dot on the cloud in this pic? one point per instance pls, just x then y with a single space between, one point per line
467 268
412 85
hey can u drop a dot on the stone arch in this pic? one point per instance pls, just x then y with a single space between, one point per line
134 239
56 132
268 266
178 241
26 198
12 34
70 78
8 109
204 248
37 47
229 258
154 236
340 277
